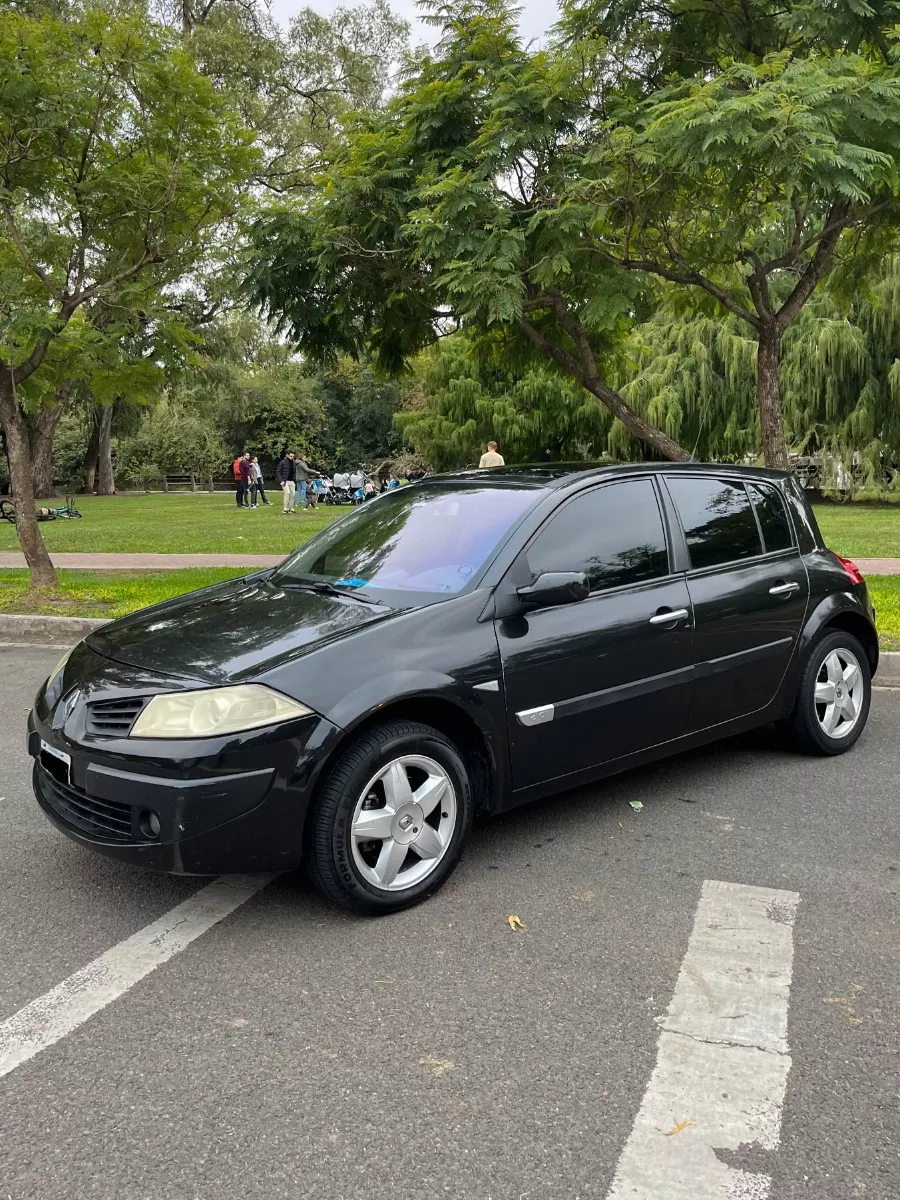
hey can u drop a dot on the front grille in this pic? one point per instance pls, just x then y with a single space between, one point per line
104 820
113 718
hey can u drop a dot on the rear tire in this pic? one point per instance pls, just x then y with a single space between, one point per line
832 704
391 819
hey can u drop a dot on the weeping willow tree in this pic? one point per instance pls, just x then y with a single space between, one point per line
693 373
471 395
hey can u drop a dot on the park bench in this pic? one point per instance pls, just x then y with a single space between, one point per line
172 482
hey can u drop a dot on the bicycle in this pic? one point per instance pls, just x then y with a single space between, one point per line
67 512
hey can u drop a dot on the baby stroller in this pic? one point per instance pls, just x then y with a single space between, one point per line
341 492
361 486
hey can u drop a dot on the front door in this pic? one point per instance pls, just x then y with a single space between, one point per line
591 682
749 589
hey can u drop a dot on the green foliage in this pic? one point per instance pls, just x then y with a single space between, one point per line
171 440
470 399
694 374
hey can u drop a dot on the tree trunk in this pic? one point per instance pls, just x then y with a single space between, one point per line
768 395
585 371
658 441
42 435
18 453
106 484
91 458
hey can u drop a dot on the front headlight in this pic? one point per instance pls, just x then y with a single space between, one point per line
215 711
53 686
52 677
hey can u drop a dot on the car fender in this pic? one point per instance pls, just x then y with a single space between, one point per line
486 708
823 614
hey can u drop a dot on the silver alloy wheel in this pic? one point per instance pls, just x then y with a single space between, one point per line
403 823
840 693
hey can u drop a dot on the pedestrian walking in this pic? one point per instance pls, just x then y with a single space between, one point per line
242 487
286 474
491 458
303 474
257 490
546 455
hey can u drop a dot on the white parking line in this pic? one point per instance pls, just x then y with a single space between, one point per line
68 1005
715 1096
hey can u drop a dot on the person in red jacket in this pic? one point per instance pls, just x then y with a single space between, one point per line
243 476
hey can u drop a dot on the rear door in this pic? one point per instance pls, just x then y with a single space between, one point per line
749 590
590 682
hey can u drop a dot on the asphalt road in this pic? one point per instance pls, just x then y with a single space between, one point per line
295 1051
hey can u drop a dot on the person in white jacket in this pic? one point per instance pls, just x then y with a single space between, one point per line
257 490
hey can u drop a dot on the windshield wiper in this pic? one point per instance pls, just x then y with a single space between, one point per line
328 589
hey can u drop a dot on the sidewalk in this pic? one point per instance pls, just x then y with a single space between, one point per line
177 562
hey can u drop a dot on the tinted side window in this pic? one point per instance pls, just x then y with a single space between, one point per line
614 534
773 518
717 519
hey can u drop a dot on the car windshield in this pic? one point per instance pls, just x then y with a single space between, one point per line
431 539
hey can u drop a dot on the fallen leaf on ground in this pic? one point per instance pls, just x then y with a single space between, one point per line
636 805
678 1128
583 897
239 1023
437 1066
513 921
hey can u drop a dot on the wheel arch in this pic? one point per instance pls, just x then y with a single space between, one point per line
861 629
841 611
477 749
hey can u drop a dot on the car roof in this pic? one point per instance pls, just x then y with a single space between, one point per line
555 475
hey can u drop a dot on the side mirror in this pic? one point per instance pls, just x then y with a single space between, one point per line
554 588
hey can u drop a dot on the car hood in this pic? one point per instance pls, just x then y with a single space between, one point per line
233 631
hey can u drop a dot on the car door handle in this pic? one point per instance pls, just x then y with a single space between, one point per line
666 618
784 589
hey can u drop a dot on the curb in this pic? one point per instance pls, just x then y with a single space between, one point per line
48 631
888 674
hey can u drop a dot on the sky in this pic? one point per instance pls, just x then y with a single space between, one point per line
536 18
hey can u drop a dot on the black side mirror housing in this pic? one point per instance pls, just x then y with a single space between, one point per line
554 588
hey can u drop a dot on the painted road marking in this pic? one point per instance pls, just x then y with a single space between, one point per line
72 1002
722 1060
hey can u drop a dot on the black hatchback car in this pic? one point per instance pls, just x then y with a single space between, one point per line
462 645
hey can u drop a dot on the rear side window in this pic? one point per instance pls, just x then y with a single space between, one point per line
773 518
717 519
613 533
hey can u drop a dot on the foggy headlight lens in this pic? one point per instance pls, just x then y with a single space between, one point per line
215 711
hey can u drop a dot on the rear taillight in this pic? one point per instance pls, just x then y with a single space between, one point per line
851 568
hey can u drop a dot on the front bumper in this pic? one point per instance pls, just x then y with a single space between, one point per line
238 807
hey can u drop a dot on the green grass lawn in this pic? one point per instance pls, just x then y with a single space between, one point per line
861 531
204 524
885 592
104 593
184 524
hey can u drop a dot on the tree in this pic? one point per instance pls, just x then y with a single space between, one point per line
117 158
449 207
470 399
771 158
840 376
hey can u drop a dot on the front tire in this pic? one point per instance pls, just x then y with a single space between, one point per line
834 695
391 820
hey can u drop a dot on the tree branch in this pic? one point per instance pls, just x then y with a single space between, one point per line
589 379
26 257
689 277
836 221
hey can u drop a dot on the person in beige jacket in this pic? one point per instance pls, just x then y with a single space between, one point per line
491 458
